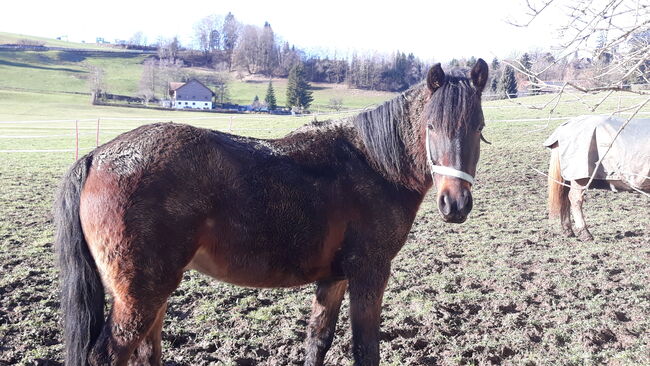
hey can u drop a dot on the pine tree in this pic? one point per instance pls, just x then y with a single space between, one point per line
256 103
495 75
270 98
527 66
298 93
508 83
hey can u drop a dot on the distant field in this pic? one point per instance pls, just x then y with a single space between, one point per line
13 38
67 71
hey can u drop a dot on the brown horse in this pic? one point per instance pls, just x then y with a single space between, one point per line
330 203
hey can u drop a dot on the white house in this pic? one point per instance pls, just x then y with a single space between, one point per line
190 95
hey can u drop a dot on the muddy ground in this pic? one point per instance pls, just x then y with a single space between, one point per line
500 289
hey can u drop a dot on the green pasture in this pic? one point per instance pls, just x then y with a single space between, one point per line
13 38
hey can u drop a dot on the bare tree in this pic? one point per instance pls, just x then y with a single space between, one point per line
138 39
207 34
268 52
148 80
168 49
96 82
230 35
169 71
615 33
246 52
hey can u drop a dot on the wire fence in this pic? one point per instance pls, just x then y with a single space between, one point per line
101 127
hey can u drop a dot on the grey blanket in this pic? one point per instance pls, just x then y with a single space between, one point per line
583 141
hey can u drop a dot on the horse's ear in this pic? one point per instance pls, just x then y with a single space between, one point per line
480 75
435 77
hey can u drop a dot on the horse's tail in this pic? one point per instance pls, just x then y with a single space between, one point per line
82 292
557 192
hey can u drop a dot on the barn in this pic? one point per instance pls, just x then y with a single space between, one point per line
190 95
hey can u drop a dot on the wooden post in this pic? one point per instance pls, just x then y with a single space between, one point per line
76 134
97 136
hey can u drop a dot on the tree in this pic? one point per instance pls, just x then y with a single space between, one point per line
298 93
288 57
246 52
527 64
605 31
270 97
495 75
268 54
230 33
336 104
138 39
96 82
508 83
168 49
169 71
148 80
256 105
207 34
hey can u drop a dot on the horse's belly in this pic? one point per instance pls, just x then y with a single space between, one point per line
252 272
265 264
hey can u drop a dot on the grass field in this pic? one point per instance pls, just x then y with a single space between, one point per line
500 289
66 71
13 38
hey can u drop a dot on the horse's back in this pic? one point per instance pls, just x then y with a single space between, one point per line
584 140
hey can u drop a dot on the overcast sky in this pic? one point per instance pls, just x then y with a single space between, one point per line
432 30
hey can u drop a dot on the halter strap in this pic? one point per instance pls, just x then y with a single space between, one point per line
445 170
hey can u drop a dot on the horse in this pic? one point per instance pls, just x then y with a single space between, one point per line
331 203
576 146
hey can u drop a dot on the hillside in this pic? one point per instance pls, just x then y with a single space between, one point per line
64 71
13 38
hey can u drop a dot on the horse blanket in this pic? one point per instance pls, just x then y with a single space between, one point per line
583 141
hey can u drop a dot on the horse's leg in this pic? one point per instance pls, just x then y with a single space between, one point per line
576 197
324 314
139 298
149 351
565 213
367 285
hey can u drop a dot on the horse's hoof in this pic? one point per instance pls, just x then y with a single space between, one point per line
568 232
585 235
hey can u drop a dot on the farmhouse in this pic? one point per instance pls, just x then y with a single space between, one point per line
190 95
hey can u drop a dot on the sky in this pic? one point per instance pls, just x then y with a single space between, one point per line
432 30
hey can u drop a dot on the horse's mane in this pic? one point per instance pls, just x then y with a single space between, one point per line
380 132
451 106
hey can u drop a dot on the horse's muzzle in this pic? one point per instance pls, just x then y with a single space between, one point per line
454 206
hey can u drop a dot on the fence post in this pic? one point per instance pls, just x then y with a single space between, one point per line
76 139
97 136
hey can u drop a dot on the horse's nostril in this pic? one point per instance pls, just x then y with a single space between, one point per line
467 200
444 204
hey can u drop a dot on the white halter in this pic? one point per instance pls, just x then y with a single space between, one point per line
445 170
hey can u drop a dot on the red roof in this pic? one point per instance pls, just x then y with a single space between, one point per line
175 85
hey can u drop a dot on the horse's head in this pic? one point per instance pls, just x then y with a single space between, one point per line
453 121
